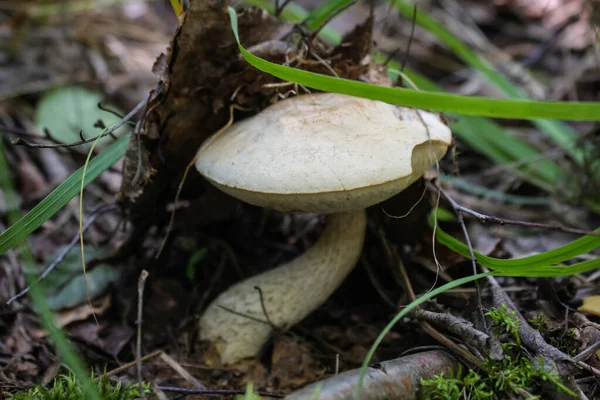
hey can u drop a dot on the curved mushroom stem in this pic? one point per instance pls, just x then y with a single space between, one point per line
235 322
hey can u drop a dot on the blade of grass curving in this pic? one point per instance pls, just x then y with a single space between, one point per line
560 133
60 196
63 348
294 12
543 264
402 314
481 133
491 140
322 13
499 108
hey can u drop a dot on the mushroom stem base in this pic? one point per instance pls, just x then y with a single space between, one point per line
235 322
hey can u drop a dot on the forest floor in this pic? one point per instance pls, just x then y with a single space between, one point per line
58 61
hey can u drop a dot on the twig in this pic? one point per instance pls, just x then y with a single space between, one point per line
21 142
329 18
279 7
449 344
531 337
394 258
545 46
105 108
138 355
463 329
123 367
458 210
95 214
182 371
217 391
264 308
410 39
485 219
23 132
394 379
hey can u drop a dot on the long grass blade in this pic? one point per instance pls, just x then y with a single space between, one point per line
60 196
499 108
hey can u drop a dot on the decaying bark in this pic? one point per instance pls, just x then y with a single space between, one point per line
202 75
197 79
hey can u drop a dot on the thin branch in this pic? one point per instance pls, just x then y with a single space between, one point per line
95 214
279 7
410 38
264 308
217 391
329 18
21 142
458 209
138 344
105 108
486 219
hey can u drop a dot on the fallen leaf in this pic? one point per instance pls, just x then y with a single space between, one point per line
82 312
591 305
67 111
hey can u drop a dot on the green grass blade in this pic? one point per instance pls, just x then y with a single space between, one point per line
402 314
322 13
63 348
296 13
491 140
60 196
499 108
543 264
560 133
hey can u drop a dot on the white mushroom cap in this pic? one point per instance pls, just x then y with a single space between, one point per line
324 153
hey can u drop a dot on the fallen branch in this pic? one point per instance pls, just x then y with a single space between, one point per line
397 379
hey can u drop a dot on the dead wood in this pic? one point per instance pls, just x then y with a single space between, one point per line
395 379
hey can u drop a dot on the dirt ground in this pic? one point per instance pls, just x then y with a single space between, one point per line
121 52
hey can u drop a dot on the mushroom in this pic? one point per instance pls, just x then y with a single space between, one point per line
321 153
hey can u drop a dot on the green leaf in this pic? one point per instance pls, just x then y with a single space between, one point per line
69 110
467 105
65 287
60 196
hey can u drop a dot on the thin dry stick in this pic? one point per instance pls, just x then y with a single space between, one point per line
138 355
95 214
394 258
217 391
22 142
485 219
187 170
458 210
329 18
124 367
182 371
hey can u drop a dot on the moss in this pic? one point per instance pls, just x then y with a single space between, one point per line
506 378
66 387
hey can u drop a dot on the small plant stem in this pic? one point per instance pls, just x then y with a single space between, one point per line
486 219
217 391
395 259
138 355
131 364
99 211
20 141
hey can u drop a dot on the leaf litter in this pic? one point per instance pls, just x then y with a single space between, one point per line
192 102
